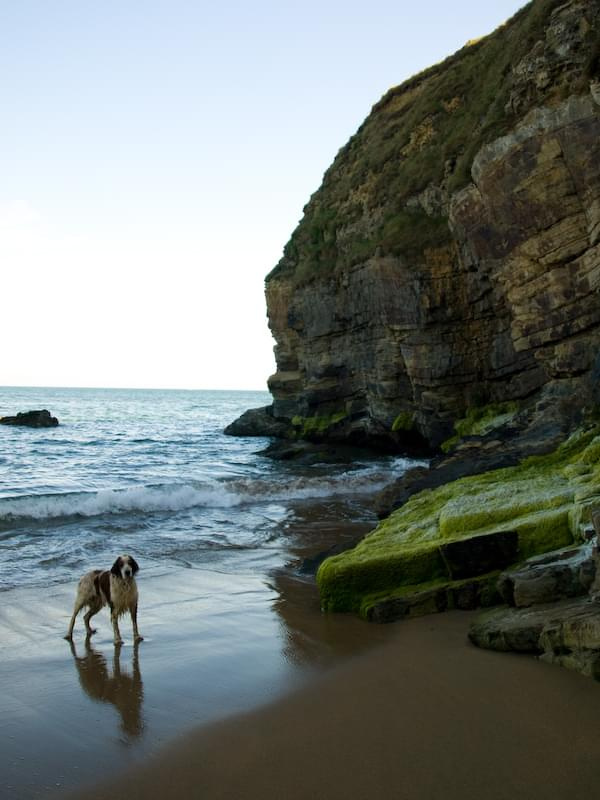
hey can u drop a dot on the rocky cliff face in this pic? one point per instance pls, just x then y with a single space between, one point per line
451 257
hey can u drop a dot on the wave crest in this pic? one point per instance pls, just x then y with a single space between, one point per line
140 499
179 497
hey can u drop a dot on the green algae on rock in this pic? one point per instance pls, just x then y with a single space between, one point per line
481 420
546 500
316 426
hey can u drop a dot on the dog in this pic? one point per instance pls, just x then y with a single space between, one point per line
115 588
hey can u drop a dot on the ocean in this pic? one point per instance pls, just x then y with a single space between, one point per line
151 473
230 616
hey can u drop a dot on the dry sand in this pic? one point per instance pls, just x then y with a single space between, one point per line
425 716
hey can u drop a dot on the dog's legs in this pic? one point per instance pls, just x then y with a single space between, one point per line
136 634
115 623
79 604
94 609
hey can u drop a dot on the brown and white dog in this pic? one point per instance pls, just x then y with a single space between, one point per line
115 588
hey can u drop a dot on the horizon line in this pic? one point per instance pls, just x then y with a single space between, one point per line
132 388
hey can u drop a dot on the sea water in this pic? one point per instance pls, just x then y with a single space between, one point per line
223 536
150 472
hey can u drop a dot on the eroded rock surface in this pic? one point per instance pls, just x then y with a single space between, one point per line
451 257
554 576
566 633
544 622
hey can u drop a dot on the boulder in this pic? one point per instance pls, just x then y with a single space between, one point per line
31 419
563 573
258 422
566 633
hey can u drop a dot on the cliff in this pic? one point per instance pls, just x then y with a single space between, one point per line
451 257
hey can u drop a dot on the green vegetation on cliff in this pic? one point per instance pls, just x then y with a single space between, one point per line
316 426
421 137
546 500
481 420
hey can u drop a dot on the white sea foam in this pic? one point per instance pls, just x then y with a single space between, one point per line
179 497
139 499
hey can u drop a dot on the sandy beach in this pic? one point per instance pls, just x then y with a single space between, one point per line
214 646
424 716
280 701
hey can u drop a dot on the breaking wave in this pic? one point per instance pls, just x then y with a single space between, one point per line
179 497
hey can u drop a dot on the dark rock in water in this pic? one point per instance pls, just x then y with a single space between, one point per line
554 576
566 633
258 422
480 554
31 419
304 452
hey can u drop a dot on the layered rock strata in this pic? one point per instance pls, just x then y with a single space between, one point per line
451 257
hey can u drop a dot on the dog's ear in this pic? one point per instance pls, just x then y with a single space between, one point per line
116 567
134 565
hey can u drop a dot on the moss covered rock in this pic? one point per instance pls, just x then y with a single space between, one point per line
545 500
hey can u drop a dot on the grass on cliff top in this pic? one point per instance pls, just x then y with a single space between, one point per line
422 132
546 499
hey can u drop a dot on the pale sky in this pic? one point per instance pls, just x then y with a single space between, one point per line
155 158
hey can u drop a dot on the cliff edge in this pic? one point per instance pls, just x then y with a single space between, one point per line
451 258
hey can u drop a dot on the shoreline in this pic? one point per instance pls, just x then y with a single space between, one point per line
215 644
242 687
421 717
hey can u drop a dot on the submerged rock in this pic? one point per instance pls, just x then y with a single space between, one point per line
31 419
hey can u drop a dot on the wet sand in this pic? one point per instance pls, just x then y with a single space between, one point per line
215 644
250 692
425 716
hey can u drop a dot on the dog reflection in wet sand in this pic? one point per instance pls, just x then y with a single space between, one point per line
122 689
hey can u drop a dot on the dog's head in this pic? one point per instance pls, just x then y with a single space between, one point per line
125 567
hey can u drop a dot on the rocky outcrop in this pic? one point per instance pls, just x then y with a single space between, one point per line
554 576
473 527
532 431
566 633
31 419
542 617
451 257
257 422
